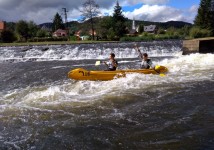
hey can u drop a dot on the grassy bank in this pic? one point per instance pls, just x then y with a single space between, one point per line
52 43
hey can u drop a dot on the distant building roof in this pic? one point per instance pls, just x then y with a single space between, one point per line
90 32
2 25
60 33
132 31
150 28
78 33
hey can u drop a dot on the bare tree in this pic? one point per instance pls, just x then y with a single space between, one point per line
90 10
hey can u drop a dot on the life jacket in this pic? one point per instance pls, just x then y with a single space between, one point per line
146 64
111 66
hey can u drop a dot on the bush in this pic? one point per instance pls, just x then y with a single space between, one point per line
161 31
47 39
41 33
8 36
150 37
74 38
196 32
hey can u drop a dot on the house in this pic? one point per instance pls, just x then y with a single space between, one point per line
2 26
91 32
150 29
84 38
60 33
77 35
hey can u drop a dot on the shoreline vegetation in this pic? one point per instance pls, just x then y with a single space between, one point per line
115 28
78 42
53 43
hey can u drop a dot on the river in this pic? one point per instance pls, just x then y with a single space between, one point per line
40 108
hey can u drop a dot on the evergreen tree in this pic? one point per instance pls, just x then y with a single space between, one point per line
205 16
118 21
57 23
118 14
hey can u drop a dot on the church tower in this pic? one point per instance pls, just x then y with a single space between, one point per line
133 24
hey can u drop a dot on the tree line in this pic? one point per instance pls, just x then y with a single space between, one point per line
113 27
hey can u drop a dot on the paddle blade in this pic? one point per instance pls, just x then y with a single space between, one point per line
162 75
97 63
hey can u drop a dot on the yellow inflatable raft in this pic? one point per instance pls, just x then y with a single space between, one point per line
82 74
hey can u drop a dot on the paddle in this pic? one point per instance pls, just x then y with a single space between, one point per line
99 62
155 68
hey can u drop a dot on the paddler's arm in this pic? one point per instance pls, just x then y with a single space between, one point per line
138 50
105 63
114 64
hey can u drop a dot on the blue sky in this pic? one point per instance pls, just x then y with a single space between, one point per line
179 4
182 4
41 11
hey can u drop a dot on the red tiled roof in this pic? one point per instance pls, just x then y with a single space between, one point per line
2 25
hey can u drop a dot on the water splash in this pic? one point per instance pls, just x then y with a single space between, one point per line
88 51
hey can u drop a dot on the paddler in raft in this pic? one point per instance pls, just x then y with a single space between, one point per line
146 62
112 64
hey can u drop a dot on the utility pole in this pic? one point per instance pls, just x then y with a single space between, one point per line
66 21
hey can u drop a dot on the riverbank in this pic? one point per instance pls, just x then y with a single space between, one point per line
76 42
53 43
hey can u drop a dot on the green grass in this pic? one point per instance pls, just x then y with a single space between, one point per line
52 43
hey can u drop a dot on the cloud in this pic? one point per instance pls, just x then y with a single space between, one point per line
194 9
41 11
160 13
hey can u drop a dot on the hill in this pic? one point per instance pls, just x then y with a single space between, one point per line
85 26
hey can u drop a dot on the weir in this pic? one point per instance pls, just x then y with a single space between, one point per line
88 51
202 45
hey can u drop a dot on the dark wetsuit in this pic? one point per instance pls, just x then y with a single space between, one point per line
146 64
111 67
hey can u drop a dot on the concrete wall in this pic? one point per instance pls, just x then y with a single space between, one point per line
202 45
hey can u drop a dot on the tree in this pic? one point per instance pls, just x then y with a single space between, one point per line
11 26
119 20
196 32
8 36
104 26
57 23
33 28
118 14
141 28
41 33
205 16
90 10
22 29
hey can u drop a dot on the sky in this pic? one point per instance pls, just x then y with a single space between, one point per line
42 11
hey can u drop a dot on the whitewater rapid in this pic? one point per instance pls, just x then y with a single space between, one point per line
41 108
182 70
86 51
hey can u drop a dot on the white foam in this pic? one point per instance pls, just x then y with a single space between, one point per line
76 53
183 69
